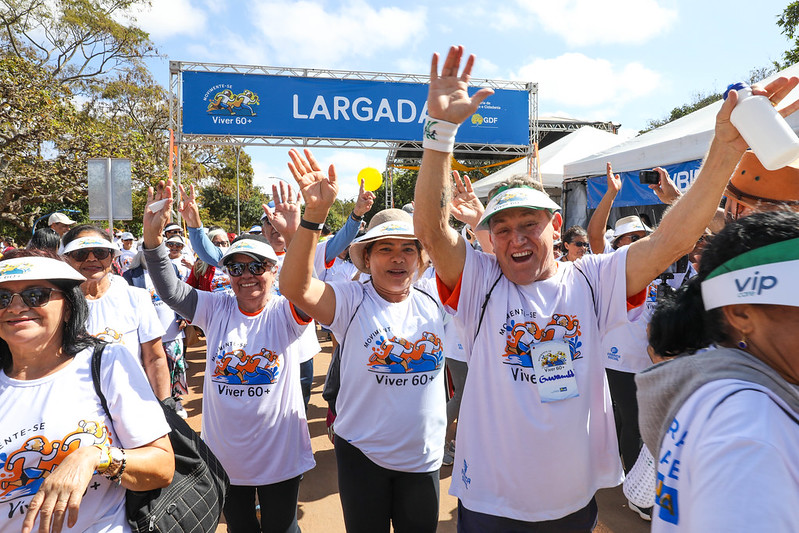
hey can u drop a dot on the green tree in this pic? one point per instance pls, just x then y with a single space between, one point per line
52 51
788 22
701 100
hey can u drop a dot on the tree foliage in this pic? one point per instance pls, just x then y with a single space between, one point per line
78 40
701 100
788 21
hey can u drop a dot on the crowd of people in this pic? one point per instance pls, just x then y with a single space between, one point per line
541 363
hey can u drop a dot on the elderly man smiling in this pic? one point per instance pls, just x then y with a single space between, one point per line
536 437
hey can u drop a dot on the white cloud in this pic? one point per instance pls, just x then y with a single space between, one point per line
170 18
307 33
584 22
583 82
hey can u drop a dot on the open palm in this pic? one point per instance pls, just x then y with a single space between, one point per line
318 191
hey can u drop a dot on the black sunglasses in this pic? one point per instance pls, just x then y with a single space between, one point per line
256 268
33 297
174 245
580 244
99 253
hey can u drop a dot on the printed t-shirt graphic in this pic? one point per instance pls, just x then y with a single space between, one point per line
253 411
390 404
49 418
503 413
728 462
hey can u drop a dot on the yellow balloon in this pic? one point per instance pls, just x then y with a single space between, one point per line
371 177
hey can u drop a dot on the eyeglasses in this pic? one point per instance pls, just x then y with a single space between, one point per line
100 254
580 244
256 268
220 243
174 245
634 238
33 297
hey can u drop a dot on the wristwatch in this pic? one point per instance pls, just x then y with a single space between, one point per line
117 460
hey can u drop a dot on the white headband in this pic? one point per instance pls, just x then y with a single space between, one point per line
765 275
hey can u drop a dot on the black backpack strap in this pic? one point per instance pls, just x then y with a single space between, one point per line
485 305
593 297
97 358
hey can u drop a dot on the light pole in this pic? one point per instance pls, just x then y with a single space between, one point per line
238 195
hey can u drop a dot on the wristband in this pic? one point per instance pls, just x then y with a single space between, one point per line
439 135
114 470
356 217
105 459
313 226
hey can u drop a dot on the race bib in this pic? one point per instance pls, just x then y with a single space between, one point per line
554 371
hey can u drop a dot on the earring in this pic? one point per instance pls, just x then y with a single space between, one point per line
742 343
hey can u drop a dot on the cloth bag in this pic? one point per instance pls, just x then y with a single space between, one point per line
194 500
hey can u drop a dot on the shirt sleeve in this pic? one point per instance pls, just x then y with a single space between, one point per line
738 476
177 295
607 275
203 246
343 237
138 418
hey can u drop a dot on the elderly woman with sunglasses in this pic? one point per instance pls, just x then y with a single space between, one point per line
118 313
62 460
391 413
253 415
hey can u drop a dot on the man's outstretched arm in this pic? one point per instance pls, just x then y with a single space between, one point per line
448 100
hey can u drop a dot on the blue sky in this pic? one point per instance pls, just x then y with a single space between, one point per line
626 61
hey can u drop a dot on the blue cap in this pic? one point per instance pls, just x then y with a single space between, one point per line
735 87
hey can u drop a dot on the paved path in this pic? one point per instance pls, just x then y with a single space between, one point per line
319 508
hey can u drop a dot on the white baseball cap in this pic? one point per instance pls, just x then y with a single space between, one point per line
59 217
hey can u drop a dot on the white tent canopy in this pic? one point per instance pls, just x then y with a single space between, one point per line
685 139
587 140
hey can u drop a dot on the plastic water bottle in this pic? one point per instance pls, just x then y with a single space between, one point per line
763 128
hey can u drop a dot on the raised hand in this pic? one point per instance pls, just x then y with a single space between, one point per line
156 213
774 91
666 191
188 207
285 218
448 98
614 180
318 191
465 206
364 202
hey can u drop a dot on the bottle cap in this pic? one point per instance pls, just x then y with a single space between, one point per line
735 87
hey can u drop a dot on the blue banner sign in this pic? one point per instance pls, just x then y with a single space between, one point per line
285 106
633 192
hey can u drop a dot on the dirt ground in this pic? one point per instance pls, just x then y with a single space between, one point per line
319 509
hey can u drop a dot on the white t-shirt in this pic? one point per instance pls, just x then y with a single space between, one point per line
44 420
517 456
391 403
253 413
624 346
124 315
125 258
729 463
183 270
167 317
